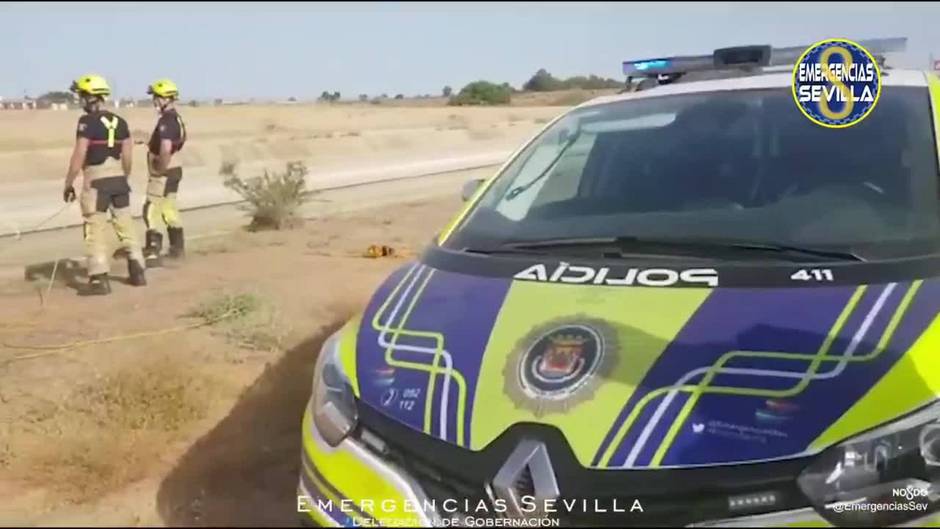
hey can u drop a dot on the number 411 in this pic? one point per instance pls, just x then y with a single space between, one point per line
813 274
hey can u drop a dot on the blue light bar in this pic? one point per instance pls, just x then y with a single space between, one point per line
778 57
658 64
652 67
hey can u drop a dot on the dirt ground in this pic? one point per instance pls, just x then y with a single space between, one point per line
155 420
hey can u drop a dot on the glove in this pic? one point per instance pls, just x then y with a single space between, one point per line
68 195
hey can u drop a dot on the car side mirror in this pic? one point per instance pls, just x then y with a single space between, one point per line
470 188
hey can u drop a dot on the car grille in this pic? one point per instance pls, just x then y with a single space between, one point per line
668 497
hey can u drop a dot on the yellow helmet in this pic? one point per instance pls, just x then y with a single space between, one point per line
163 88
91 84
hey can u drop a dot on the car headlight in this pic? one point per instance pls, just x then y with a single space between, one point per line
887 476
332 402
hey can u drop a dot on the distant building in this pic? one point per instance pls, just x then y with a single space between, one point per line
17 104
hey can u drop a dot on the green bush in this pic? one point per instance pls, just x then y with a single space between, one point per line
543 81
483 93
273 198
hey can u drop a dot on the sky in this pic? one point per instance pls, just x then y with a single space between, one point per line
240 50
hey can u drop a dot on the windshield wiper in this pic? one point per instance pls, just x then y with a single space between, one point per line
635 245
518 190
836 255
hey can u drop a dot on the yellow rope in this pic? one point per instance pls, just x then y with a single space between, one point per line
10 325
55 349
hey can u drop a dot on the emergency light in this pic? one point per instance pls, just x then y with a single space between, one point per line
745 57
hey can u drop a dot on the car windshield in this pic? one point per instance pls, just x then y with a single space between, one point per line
722 166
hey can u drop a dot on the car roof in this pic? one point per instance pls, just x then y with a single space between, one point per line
889 77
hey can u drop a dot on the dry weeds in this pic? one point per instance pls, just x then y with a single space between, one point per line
106 434
253 323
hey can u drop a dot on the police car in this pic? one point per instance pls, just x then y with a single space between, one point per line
685 304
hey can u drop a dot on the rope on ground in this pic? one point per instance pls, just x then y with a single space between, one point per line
49 218
49 350
55 268
19 232
42 299
16 326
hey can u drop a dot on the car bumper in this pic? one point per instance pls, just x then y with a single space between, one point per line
349 485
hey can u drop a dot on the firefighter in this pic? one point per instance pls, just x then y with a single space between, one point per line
167 139
103 154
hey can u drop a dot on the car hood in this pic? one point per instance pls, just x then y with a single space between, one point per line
639 377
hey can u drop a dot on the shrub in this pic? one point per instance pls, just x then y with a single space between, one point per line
244 319
228 168
228 306
483 93
592 82
447 91
273 198
542 81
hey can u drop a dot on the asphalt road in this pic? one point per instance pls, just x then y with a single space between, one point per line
43 248
28 205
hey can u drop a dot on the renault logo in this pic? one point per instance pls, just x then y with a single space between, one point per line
526 481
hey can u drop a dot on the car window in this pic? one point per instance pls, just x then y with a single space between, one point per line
724 165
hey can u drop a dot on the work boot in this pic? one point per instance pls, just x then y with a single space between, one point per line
135 273
98 285
176 243
153 248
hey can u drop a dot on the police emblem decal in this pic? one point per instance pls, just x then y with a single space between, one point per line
836 83
559 364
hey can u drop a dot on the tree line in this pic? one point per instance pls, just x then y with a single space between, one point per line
490 93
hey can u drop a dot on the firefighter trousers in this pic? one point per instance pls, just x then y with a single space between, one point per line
105 206
161 200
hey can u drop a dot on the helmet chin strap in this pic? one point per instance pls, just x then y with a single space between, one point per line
163 103
90 103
